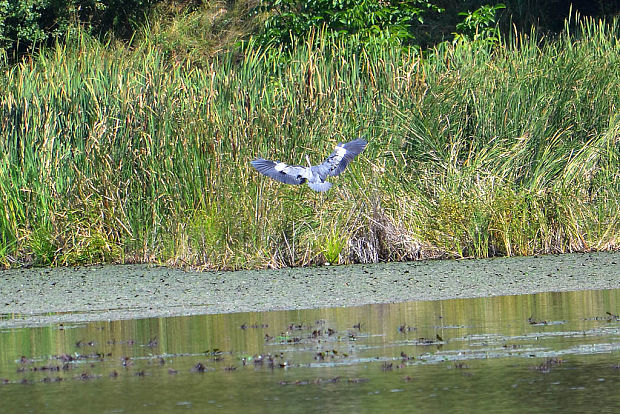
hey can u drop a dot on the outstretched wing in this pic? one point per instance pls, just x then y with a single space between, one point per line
288 174
340 158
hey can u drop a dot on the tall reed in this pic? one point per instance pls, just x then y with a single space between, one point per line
111 153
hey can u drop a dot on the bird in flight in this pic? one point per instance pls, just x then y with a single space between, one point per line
314 175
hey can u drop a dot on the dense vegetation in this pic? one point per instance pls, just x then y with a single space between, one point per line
203 27
120 153
26 24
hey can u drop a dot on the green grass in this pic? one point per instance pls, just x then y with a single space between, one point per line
110 153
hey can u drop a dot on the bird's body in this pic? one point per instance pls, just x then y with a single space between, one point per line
313 175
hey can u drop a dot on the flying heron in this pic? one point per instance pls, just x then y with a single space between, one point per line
314 175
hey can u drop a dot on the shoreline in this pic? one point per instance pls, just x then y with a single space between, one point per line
45 296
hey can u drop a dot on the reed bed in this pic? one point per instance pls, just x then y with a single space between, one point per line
115 153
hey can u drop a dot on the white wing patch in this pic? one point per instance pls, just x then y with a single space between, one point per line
280 166
340 152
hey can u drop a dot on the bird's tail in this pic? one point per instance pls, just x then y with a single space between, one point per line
324 186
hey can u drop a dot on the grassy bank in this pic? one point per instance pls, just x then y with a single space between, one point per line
118 154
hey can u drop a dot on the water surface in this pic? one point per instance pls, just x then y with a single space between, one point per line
536 353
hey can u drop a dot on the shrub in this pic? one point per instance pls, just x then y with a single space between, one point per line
24 24
392 19
479 25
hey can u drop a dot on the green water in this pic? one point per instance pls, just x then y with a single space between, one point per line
550 352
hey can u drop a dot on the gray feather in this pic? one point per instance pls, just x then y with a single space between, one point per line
289 175
313 175
338 160
320 186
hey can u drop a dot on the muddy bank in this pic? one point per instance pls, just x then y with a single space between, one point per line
31 297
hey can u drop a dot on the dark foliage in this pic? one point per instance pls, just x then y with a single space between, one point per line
422 23
25 24
389 20
547 16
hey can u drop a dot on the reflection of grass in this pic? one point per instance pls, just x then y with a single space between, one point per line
117 154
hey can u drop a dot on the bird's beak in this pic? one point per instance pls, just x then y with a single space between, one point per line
308 160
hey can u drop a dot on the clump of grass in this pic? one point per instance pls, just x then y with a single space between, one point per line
116 154
196 31
516 144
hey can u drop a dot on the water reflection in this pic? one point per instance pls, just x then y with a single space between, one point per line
546 352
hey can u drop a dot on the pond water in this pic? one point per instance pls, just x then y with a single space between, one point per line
548 352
